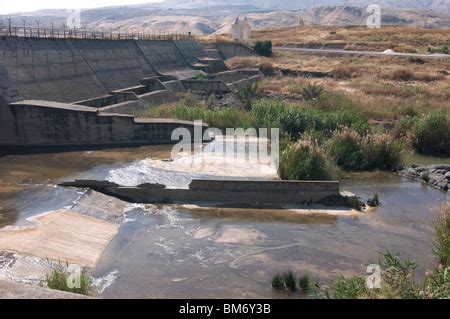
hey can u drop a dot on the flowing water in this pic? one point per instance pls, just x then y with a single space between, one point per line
179 252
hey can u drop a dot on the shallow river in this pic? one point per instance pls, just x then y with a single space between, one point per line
179 252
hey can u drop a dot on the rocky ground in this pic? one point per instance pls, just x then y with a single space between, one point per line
437 176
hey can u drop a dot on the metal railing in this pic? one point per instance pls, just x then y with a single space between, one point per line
83 33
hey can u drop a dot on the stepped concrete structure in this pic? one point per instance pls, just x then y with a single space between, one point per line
81 92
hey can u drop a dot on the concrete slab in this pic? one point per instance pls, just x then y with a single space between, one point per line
9 290
61 235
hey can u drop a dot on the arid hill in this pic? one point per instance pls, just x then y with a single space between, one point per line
204 19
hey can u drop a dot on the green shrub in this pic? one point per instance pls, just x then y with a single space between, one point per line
247 94
264 48
444 49
267 113
201 76
352 288
230 117
312 91
346 149
188 113
305 283
382 152
398 277
305 161
408 110
431 134
404 126
290 281
278 283
295 121
441 245
334 120
58 278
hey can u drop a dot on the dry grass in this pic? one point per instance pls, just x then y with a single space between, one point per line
378 86
398 38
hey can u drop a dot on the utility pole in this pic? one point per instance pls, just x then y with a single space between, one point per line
9 26
39 30
24 27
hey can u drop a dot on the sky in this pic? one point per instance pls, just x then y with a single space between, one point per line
11 6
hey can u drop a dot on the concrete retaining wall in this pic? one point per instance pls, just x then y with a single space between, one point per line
144 101
207 86
231 50
42 123
235 75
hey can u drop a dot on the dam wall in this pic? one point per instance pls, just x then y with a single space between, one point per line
76 92
49 69
8 94
117 64
74 70
198 57
167 59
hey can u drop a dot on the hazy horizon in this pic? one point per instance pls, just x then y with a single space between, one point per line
14 6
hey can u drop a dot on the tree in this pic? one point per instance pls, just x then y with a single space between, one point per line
264 48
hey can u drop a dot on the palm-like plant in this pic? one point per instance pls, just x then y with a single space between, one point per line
312 91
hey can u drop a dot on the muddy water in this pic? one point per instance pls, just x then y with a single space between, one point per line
170 252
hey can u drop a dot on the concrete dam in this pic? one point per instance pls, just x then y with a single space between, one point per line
81 92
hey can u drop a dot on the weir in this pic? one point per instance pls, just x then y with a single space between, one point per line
240 193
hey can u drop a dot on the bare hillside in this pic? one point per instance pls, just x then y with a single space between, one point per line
205 18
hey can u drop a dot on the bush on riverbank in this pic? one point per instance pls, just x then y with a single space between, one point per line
305 161
431 134
346 149
59 277
296 120
382 152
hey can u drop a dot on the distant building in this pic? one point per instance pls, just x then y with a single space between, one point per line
241 30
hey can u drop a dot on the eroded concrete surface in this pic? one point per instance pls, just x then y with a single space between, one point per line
192 252
61 235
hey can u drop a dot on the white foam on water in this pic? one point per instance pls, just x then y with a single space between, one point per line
104 282
81 194
23 269
213 162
